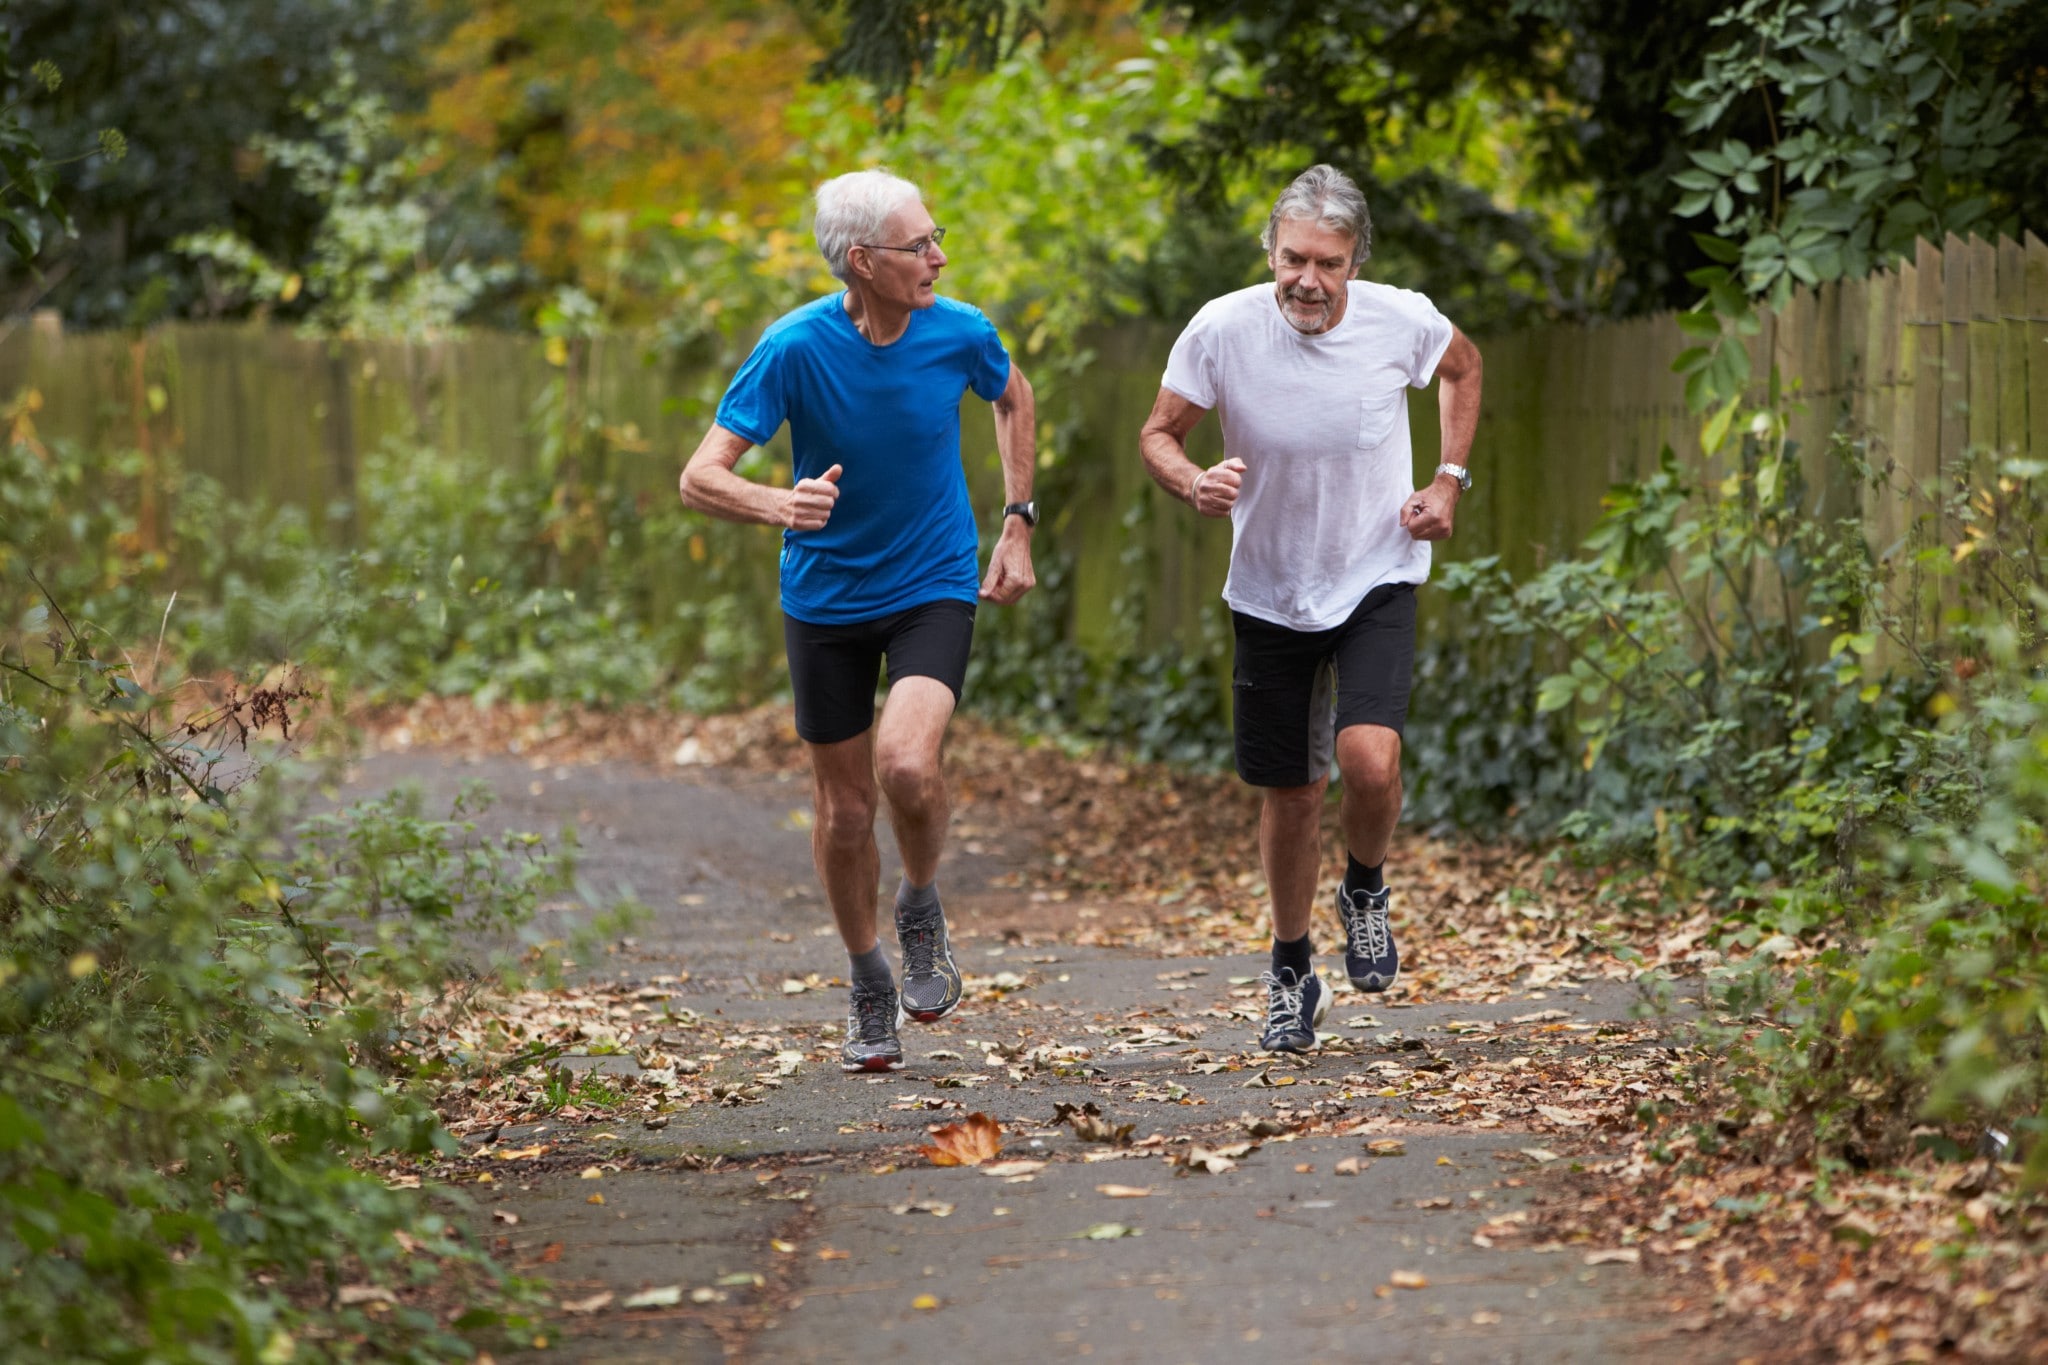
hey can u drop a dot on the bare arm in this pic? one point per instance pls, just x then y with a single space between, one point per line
1163 443
709 485
1010 574
1430 512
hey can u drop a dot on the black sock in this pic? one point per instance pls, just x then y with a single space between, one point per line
1359 877
1293 954
871 970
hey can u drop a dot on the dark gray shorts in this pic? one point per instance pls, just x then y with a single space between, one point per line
1293 690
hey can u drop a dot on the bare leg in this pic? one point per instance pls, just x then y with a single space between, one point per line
1369 760
1290 847
843 835
907 763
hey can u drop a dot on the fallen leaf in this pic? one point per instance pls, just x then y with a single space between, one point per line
595 1199
505 1216
1615 1256
834 1254
589 1305
1565 1117
779 1245
1013 1169
935 1207
1348 1166
351 1294
1124 1191
1109 1232
551 1253
1089 1126
1199 1158
668 1296
591 1173
1408 1279
1387 1147
924 1303
968 1143
1539 1155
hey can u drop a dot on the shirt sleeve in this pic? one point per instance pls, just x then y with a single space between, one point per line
1189 371
1432 338
754 405
989 372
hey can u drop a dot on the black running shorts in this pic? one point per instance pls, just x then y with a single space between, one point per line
1293 690
833 669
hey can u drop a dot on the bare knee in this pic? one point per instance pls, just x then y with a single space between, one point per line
845 817
1371 767
910 776
1296 803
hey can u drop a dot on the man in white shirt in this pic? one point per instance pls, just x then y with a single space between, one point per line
1329 536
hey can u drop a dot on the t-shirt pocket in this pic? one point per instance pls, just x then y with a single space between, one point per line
1376 416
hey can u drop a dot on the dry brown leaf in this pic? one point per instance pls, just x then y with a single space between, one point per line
1124 1191
1408 1279
1387 1147
589 1305
969 1142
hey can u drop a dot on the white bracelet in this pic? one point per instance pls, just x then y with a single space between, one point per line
1195 488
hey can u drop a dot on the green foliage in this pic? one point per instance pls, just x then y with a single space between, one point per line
1880 132
28 195
192 86
197 1040
1929 998
368 270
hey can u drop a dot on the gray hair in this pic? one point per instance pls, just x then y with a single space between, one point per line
1328 198
852 209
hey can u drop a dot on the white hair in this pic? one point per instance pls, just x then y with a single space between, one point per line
1327 197
852 209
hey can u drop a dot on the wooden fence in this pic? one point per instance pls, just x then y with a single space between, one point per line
1940 356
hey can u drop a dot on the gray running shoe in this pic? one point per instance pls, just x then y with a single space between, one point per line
1370 958
931 979
872 1018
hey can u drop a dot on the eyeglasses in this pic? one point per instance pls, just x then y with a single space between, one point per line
921 247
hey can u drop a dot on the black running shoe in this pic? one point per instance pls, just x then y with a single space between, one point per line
931 979
1370 957
1294 1006
872 1018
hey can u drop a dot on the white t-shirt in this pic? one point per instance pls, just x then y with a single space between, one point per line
1321 423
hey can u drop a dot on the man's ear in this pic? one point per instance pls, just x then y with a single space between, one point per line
862 265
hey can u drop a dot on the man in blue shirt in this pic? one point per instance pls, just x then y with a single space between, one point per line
878 561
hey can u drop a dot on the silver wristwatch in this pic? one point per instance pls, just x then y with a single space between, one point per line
1458 472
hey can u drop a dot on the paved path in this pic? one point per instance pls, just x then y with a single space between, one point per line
817 1237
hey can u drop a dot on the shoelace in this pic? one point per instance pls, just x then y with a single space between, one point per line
872 1015
1283 1002
920 947
1367 919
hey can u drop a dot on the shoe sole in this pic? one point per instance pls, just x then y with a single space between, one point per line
882 1063
1373 985
872 1064
931 1016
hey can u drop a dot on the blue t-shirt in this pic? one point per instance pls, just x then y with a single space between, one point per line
902 533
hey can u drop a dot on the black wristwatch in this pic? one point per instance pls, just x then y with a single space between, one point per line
1026 510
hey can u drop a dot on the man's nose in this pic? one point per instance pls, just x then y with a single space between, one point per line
936 256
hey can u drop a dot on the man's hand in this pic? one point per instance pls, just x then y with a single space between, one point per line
809 505
1214 491
1009 574
1429 512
